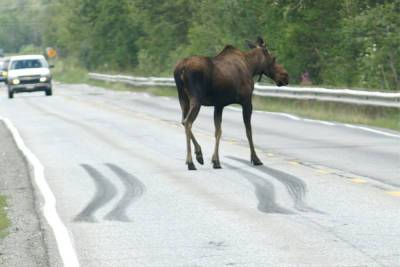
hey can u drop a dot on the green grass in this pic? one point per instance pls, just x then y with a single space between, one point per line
67 72
4 222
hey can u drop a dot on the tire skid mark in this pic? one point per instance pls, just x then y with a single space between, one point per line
134 189
296 187
264 191
105 191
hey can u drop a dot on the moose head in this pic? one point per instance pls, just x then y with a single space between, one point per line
266 63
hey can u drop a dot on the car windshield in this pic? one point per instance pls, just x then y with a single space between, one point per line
27 64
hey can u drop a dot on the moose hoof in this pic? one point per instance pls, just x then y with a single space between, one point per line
199 157
256 162
191 166
216 164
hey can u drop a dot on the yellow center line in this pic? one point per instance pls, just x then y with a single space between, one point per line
393 193
323 171
358 181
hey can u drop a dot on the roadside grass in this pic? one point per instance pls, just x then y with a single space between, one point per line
4 222
384 117
69 71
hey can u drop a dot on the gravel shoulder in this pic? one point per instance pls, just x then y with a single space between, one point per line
24 245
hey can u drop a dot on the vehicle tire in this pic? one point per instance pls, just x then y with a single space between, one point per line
49 92
10 94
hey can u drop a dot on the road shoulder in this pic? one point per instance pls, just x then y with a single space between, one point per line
24 245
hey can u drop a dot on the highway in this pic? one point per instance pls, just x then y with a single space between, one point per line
328 194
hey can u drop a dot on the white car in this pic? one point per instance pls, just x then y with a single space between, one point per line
29 73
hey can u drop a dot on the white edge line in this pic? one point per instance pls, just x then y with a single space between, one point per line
323 122
371 130
64 242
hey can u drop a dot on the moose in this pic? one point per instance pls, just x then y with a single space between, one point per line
220 81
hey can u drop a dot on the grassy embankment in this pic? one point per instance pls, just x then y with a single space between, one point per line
4 222
329 111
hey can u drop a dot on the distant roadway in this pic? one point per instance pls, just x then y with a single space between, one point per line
328 194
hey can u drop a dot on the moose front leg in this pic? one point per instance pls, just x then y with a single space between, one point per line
218 132
247 110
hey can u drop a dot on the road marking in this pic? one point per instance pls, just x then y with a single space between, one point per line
323 122
320 122
394 193
324 171
231 141
61 233
372 130
294 163
358 181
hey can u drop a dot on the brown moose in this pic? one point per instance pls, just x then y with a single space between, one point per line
220 81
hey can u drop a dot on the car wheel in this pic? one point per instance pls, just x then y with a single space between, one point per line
49 92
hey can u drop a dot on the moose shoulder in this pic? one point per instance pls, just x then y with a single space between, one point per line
219 81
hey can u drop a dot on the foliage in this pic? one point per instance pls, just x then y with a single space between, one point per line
339 43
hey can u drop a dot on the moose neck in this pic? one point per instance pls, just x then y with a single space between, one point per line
254 61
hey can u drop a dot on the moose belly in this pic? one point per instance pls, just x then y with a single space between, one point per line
220 98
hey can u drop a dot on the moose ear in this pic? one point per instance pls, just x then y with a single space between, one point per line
260 42
250 44
273 60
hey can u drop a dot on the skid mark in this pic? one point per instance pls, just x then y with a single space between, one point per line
296 187
105 191
264 190
134 188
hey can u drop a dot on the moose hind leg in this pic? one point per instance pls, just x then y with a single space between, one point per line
247 110
188 122
184 101
197 149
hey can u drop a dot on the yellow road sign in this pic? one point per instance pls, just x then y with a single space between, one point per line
51 52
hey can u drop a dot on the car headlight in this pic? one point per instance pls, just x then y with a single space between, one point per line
15 81
43 79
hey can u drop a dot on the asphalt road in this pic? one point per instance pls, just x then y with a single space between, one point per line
327 194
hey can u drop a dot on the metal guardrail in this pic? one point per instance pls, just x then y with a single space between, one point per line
310 93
